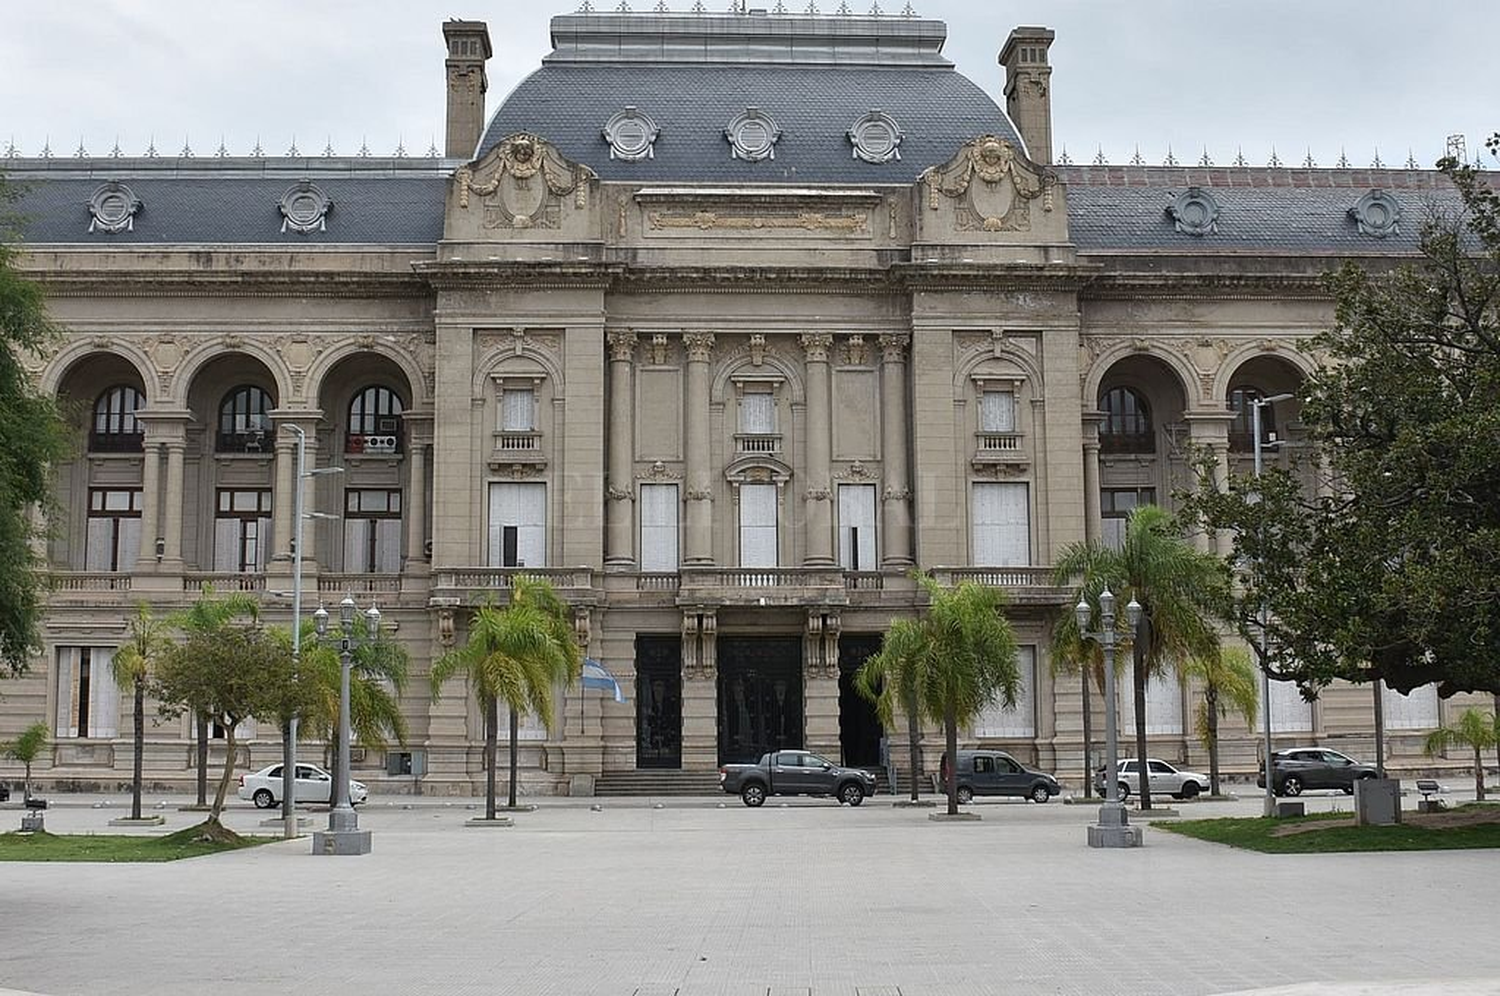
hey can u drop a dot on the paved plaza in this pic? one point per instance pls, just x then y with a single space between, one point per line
696 900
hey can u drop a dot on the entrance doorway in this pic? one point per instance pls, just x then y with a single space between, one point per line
859 728
760 696
658 701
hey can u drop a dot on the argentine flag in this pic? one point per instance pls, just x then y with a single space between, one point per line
596 675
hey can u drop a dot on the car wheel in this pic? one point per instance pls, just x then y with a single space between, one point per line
753 795
1190 790
263 799
1291 785
1040 794
1124 791
852 794
965 795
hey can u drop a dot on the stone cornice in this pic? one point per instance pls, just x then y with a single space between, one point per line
191 283
1219 286
543 275
1067 277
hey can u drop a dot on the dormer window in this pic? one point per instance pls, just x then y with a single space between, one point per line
245 421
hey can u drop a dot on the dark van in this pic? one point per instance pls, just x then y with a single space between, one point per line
994 772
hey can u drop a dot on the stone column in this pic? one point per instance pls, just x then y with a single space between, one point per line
1093 520
620 495
282 497
700 690
1223 539
818 495
416 504
896 516
150 503
700 540
171 530
820 686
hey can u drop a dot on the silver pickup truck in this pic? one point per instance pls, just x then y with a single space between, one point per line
795 772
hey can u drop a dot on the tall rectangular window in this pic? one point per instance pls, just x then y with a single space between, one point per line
1417 711
1115 506
518 525
372 530
242 531
997 411
517 409
1019 720
1290 713
758 413
113 540
857 527
1163 703
659 527
758 525
1001 522
88 700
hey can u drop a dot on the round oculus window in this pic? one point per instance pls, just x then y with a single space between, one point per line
304 208
112 208
876 138
753 136
631 135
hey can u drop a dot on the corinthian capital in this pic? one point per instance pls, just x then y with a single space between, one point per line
817 345
622 345
700 346
893 347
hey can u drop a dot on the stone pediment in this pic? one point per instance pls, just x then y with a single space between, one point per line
990 187
521 185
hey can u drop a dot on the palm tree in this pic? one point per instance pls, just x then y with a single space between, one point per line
145 640
1475 730
377 677
953 661
1180 591
1228 681
208 615
893 679
520 654
27 748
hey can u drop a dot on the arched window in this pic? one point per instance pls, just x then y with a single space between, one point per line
1242 429
1127 423
374 421
114 429
244 425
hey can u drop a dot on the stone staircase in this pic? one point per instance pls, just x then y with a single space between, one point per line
663 781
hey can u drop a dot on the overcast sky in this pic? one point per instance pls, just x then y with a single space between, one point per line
1295 75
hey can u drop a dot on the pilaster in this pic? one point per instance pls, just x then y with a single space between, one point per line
699 546
818 495
895 423
620 496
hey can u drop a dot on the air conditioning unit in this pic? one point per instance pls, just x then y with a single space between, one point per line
379 444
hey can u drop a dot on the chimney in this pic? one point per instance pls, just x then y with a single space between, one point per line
468 50
1028 88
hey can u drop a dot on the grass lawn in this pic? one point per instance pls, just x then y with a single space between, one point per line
113 847
1465 827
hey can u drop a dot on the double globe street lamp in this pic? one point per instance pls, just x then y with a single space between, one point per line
1256 428
1113 828
343 835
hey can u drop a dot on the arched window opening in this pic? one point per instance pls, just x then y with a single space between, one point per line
1242 429
374 421
1127 423
115 429
244 421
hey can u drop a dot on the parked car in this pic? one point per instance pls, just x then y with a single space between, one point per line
795 772
1165 778
1298 768
313 785
994 772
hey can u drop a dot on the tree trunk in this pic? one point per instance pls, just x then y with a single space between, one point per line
491 754
1211 702
914 736
140 747
950 728
229 749
26 792
1088 736
1142 772
1497 740
515 740
1379 728
1478 775
202 759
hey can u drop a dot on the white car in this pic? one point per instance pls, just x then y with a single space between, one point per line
1165 779
313 785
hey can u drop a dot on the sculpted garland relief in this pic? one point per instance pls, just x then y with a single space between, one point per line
992 186
521 183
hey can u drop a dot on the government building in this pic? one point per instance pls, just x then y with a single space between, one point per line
722 323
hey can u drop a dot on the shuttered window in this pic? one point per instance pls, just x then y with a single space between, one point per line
758 413
1417 711
659 527
517 409
857 527
372 530
113 539
758 525
1020 720
88 700
1001 518
1289 713
242 531
997 411
518 525
1163 703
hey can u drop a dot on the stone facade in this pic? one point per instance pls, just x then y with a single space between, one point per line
725 420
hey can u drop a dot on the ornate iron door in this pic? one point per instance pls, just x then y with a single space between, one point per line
760 696
859 727
658 702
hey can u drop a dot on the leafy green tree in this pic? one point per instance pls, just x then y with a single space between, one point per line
1475 730
27 748
955 659
209 613
1180 590
1229 685
146 641
519 655
35 437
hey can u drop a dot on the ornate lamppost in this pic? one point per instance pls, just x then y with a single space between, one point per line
1113 828
343 835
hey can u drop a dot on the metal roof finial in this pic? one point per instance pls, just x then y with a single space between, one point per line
400 152
1308 163
780 8
661 7
432 149
1205 161
257 152
80 152
328 152
1239 157
698 7
1343 162
812 7
1411 159
1137 159
47 147
1275 161
875 10
1171 160
364 148
1063 159
585 8
222 152
11 152
1377 164
292 153
187 150
624 8
115 153
1099 159
843 10
907 11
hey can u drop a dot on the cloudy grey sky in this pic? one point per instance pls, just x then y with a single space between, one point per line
1292 75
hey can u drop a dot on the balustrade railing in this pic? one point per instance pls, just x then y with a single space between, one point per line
223 581
88 581
762 577
503 578
657 581
366 584
999 442
757 442
997 577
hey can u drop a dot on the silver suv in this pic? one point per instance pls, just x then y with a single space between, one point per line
1178 783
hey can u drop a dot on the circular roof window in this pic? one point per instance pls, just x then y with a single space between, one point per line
1377 214
1195 212
631 136
876 138
304 208
113 208
752 135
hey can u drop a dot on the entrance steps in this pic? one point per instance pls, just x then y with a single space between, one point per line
648 782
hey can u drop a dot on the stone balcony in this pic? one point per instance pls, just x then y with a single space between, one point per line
473 585
1023 585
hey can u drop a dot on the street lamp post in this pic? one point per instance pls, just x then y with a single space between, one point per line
1269 808
1113 828
343 835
